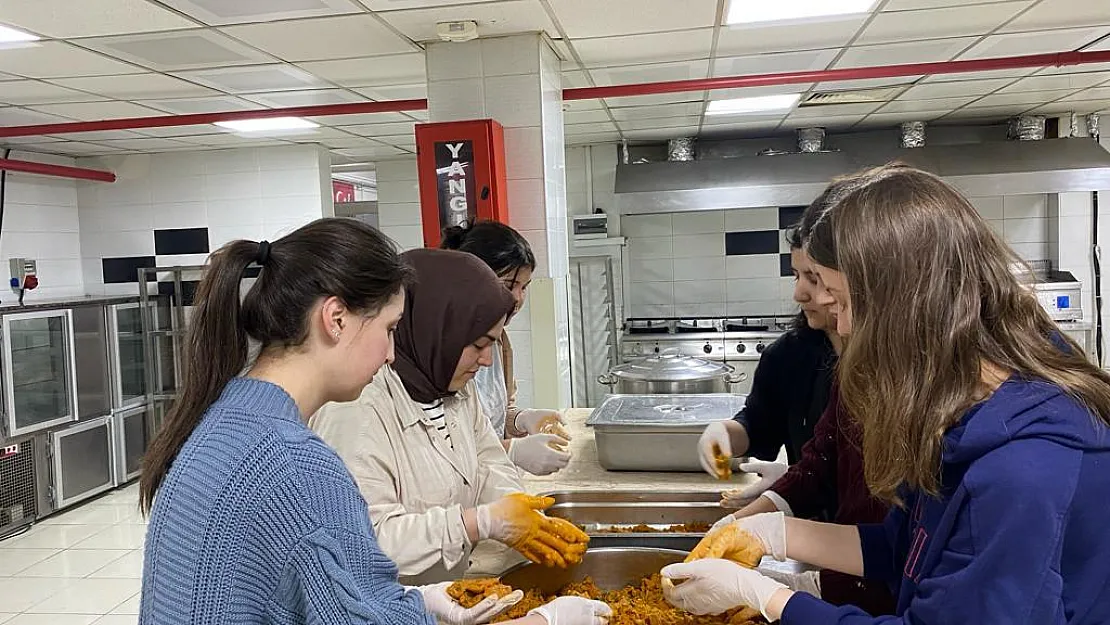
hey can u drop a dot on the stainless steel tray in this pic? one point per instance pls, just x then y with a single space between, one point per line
652 513
632 496
665 412
611 568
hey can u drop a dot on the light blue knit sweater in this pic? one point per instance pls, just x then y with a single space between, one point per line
259 521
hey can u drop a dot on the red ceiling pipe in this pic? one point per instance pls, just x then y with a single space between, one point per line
61 171
829 75
163 121
756 80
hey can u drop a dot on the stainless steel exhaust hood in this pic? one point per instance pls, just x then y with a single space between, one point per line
978 169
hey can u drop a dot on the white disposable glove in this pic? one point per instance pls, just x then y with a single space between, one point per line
715 435
449 612
536 421
536 454
574 611
716 586
768 472
804 581
769 528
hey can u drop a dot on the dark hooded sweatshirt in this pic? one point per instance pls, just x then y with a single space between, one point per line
1018 534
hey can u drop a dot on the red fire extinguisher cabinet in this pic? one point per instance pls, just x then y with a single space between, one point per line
462 175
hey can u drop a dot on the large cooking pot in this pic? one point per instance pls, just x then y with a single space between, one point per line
670 374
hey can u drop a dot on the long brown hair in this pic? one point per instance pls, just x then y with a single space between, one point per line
328 257
933 301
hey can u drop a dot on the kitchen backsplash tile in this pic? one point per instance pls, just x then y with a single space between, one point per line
757 242
752 266
746 219
653 269
709 268
786 266
688 292
698 245
698 223
642 226
651 247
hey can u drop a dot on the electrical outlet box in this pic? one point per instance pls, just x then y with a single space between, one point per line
21 269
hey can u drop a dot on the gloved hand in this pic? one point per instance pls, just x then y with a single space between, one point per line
574 611
805 581
539 454
769 528
448 612
715 586
516 521
542 422
730 543
769 473
715 438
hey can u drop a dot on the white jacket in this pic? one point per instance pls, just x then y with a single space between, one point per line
415 484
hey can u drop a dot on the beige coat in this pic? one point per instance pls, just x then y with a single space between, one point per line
513 410
415 484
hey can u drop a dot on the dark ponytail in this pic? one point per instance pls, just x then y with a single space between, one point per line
498 245
328 257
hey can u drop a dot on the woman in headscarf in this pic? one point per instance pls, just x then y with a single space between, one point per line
423 453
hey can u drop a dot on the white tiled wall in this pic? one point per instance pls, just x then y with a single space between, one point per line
250 194
677 264
399 203
41 223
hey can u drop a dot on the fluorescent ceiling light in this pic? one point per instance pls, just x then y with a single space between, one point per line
751 11
11 35
266 124
757 104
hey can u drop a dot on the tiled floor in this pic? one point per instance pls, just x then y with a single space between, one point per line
79 567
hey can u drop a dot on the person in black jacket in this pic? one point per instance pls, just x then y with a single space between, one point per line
789 391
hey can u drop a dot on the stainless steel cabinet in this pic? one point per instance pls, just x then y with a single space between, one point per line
40 381
130 428
84 461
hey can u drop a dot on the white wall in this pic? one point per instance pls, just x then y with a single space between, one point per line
41 223
399 203
250 194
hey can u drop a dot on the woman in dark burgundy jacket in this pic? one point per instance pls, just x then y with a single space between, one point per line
828 477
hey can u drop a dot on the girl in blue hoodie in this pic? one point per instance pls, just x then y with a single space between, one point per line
984 427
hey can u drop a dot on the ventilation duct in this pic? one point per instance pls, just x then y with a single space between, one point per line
681 149
811 140
1026 128
913 135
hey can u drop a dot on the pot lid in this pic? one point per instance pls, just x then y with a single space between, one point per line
670 410
670 367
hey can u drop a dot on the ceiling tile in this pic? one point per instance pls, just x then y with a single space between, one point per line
98 135
382 130
1102 44
996 113
587 105
774 63
833 122
762 38
220 12
135 86
732 124
658 47
656 98
190 106
372 152
94 111
347 142
988 75
746 92
323 38
1061 14
180 131
973 19
581 129
400 69
919 106
574 79
56 59
1059 81
35 92
660 72
396 5
178 50
1033 98
359 120
1100 93
908 52
594 138
1085 68
914 5
661 134
930 91
228 139
309 97
1015 44
66 19
79 148
12 116
255 78
1079 108
655 112
834 110
145 144
867 83
395 92
581 18
494 18
662 122
585 117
